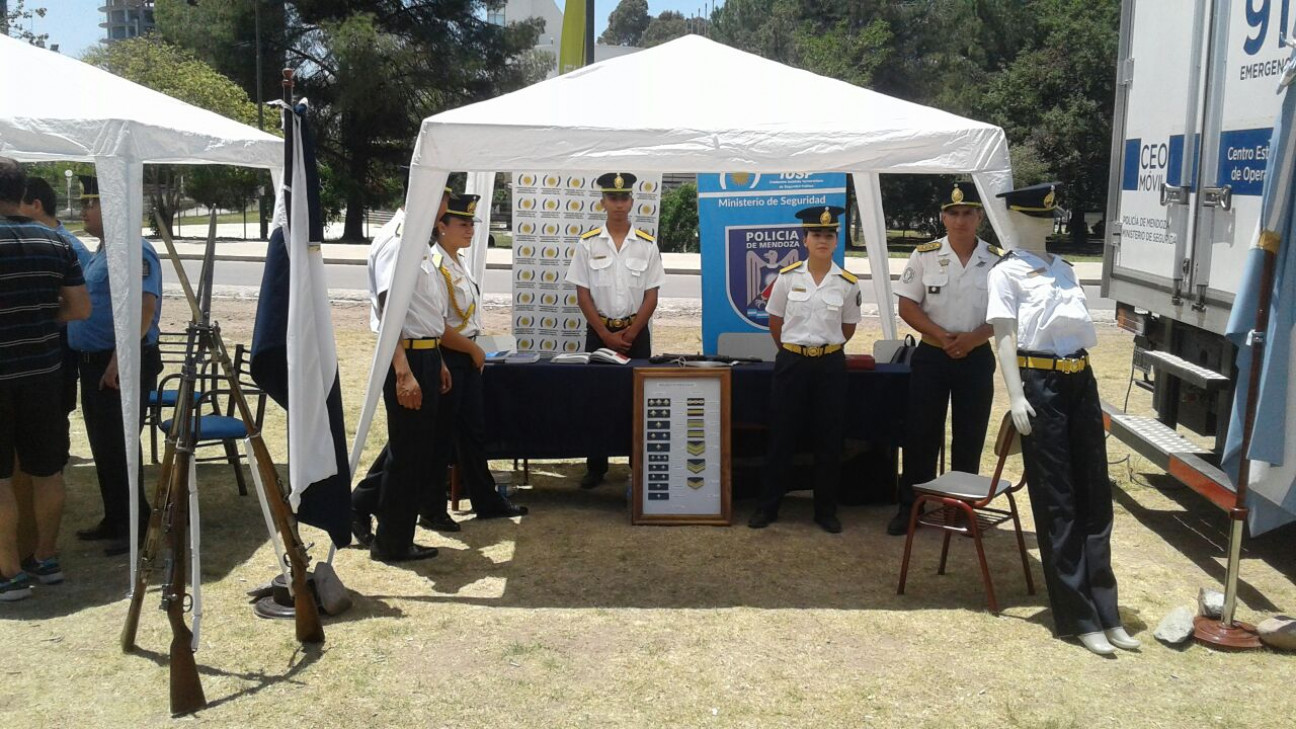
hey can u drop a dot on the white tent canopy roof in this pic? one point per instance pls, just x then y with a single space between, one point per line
694 105
57 108
691 105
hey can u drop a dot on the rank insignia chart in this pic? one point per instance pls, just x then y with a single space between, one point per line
682 447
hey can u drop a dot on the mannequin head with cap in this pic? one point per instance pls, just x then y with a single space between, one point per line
1030 213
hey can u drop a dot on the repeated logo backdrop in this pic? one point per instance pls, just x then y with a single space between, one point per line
550 213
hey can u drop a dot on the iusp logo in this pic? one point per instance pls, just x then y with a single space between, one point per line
550 276
526 251
549 252
597 207
739 181
525 320
550 204
576 182
549 299
526 274
526 297
573 229
548 345
648 187
647 209
526 228
571 324
569 300
524 345
526 180
575 206
571 346
527 203
552 181
548 322
550 229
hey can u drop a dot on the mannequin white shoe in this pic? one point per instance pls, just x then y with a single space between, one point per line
1119 638
1096 643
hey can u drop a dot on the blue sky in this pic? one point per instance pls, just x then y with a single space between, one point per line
74 24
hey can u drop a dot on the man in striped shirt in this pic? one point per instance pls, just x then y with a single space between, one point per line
41 285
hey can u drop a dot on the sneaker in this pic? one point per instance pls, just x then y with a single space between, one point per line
45 571
13 589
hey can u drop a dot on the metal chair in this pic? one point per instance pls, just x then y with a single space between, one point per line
171 346
222 424
959 503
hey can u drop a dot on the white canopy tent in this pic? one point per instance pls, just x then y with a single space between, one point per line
691 105
85 114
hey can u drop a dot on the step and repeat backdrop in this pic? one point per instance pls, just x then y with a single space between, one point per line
550 213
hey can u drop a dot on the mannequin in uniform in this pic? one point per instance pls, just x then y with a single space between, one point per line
383 252
410 395
943 296
1042 333
813 308
461 418
617 270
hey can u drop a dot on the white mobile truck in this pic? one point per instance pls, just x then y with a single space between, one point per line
1195 105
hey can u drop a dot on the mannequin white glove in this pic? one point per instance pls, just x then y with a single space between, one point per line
1005 336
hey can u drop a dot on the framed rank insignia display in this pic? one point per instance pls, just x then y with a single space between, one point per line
680 458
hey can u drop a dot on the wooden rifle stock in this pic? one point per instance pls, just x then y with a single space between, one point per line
186 688
309 628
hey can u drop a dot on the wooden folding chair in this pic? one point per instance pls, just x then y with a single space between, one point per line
959 503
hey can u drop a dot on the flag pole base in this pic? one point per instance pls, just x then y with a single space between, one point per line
1214 633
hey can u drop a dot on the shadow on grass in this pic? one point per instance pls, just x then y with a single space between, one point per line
1199 531
303 658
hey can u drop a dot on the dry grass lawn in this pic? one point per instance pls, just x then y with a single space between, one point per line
570 617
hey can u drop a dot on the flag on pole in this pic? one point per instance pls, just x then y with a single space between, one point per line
294 356
1272 498
571 54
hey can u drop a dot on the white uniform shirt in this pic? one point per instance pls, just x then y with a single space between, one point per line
426 315
813 314
464 295
382 259
1046 300
616 279
951 294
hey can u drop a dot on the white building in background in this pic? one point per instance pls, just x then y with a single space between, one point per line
126 19
550 39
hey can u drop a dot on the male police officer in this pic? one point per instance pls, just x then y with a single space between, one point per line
943 296
617 270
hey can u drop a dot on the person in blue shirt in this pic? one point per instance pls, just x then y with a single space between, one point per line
94 340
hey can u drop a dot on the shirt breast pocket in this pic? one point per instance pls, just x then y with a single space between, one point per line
636 268
601 272
832 301
798 303
935 283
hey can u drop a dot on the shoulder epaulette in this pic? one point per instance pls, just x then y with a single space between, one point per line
1008 255
926 247
399 227
792 267
1072 265
998 251
849 276
592 233
645 236
437 258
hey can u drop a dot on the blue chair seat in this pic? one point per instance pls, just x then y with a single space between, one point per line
169 398
214 427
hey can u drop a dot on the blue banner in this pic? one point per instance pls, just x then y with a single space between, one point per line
748 232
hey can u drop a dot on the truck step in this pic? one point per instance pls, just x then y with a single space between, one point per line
1185 370
1173 453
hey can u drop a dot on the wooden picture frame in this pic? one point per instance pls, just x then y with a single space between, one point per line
679 461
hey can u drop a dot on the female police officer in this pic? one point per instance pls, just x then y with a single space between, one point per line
813 308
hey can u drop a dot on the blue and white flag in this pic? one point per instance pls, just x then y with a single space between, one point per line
294 356
1272 500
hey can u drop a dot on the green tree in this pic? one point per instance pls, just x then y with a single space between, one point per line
176 72
665 27
678 230
11 17
627 23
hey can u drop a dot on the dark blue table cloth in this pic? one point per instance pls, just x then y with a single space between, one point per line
545 410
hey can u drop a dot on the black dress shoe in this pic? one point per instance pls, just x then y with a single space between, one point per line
362 528
761 519
121 545
505 511
591 479
899 524
829 524
99 532
412 553
441 523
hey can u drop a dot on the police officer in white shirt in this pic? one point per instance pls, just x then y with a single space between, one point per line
813 308
617 271
411 394
461 416
1042 333
943 296
382 261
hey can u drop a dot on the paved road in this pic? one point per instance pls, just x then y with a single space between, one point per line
352 278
